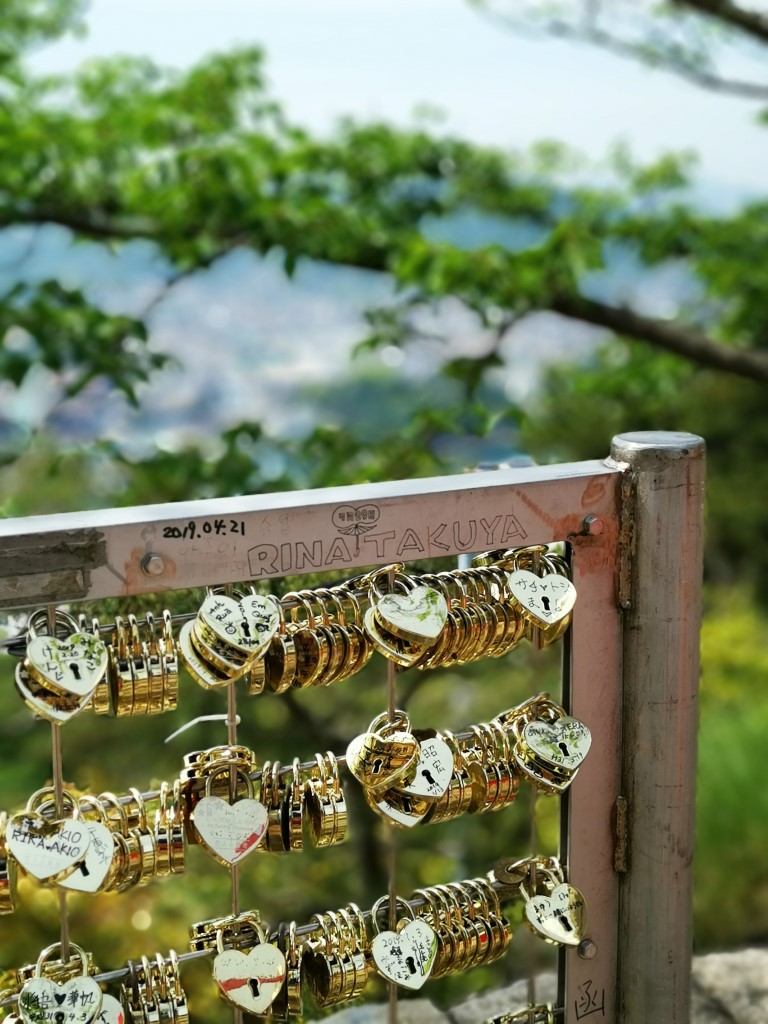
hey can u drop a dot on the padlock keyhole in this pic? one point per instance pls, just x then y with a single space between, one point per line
545 602
564 920
410 963
59 1017
246 628
83 869
564 748
74 668
378 764
428 776
254 986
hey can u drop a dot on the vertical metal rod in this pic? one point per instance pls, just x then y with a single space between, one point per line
534 844
58 799
392 843
659 721
237 1013
533 832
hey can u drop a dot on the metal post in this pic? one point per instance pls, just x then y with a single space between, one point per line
661 592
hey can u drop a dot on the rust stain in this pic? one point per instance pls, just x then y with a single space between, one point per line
134 580
534 507
594 491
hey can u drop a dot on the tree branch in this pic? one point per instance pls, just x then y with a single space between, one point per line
752 22
682 341
589 33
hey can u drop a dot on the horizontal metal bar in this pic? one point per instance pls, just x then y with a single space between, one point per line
157 548
503 889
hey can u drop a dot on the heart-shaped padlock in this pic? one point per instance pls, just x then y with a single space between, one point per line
229 832
432 772
417 617
111 1012
247 625
207 675
77 1001
407 955
400 809
550 752
559 918
49 704
402 652
94 867
378 759
545 600
250 980
48 850
74 665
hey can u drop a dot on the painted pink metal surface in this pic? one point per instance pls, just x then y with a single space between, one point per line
154 548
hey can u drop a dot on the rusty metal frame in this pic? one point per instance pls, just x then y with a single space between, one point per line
591 505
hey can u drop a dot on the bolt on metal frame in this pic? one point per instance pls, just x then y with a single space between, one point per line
634 526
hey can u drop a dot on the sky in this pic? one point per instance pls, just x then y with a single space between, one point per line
244 335
383 58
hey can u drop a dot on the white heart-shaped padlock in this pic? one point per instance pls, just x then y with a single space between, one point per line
561 917
78 1001
74 665
406 957
111 1011
563 743
418 616
230 831
250 980
544 599
247 625
48 850
433 770
94 867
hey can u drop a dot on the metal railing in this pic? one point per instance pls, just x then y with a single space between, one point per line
634 526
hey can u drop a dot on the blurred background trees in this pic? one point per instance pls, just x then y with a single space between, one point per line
471 258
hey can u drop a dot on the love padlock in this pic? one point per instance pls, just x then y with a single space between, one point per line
48 849
250 980
77 1001
385 754
549 745
404 956
229 831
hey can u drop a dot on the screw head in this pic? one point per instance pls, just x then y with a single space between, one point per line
593 525
153 565
587 949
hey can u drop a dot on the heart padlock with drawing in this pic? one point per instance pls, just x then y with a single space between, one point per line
250 980
417 616
432 772
229 832
93 868
405 956
49 850
247 625
560 917
75 665
562 744
77 1001
111 1011
545 599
